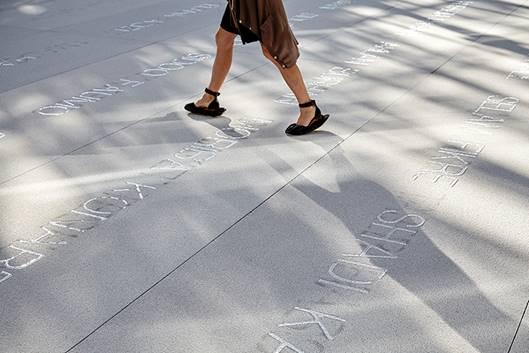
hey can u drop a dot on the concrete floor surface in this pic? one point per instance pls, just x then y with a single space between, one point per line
128 225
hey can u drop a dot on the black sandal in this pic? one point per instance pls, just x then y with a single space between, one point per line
213 109
316 122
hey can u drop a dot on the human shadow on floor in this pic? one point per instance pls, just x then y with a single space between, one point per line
422 268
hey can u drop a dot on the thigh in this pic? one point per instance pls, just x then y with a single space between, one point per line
224 38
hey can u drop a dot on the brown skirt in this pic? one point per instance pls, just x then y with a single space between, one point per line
228 24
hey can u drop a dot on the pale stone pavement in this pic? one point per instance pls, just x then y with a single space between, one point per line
128 225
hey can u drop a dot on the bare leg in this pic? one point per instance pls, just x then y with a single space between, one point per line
294 80
222 65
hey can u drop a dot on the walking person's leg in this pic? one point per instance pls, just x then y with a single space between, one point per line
208 104
310 117
221 66
294 80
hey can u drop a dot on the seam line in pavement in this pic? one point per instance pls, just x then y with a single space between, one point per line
405 93
518 328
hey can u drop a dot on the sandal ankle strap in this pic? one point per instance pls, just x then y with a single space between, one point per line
210 92
311 103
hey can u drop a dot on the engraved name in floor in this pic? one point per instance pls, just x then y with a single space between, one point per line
120 85
520 73
26 252
308 329
163 18
441 15
12 62
454 158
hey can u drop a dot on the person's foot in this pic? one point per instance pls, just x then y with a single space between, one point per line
306 115
205 101
310 119
208 105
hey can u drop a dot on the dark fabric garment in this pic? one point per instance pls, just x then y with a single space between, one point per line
228 23
268 21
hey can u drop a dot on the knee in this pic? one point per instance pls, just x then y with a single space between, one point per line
224 39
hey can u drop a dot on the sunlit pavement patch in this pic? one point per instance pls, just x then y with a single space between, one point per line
453 159
388 235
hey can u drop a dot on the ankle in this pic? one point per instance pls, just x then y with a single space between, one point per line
307 110
208 97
